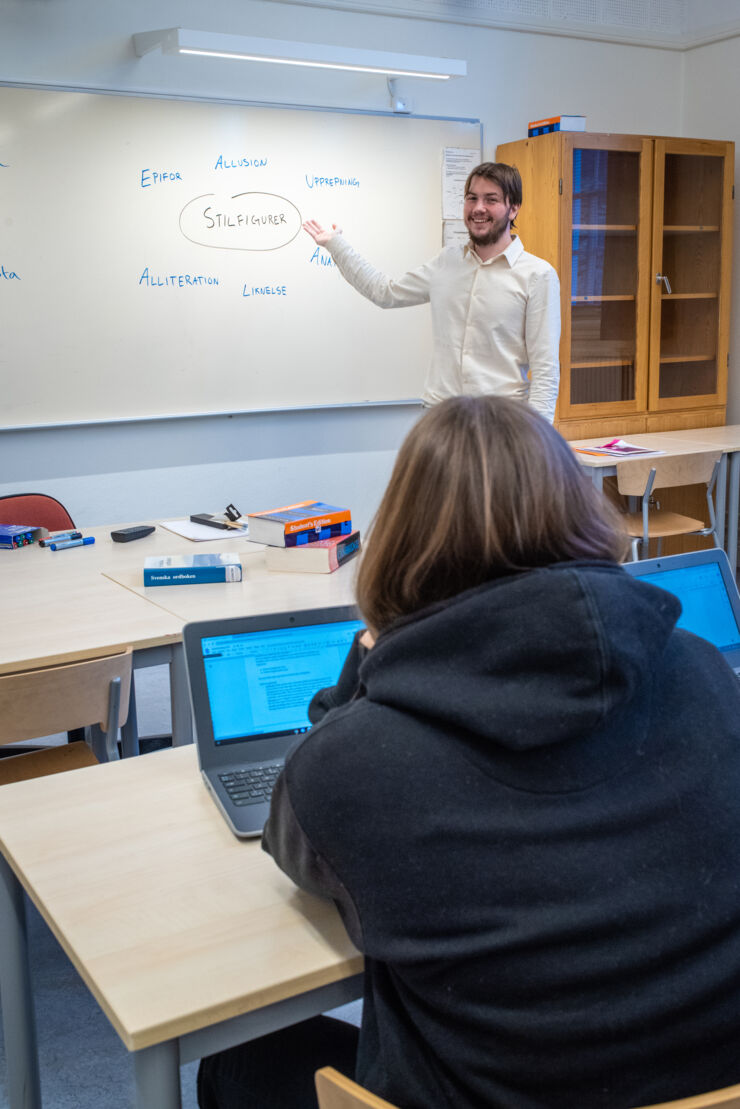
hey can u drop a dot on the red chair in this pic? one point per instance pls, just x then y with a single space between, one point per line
40 511
36 510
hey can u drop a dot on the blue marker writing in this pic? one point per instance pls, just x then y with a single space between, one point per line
149 177
72 543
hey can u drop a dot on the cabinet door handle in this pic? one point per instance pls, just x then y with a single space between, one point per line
662 277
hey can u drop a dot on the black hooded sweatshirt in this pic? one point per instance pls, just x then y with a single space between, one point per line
528 815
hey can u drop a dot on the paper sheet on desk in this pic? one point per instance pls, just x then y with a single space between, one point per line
201 533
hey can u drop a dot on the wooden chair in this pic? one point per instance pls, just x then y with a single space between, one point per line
37 703
334 1091
727 1098
640 477
35 509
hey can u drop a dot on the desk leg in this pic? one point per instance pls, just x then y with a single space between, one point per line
182 719
597 478
19 1020
130 730
732 515
720 499
157 1074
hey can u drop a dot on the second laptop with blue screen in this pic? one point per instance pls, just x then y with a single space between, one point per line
251 681
705 586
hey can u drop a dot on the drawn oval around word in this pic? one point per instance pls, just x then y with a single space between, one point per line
247 221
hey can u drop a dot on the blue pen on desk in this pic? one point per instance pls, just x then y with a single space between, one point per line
72 543
60 535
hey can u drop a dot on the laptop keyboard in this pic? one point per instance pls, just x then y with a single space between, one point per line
253 785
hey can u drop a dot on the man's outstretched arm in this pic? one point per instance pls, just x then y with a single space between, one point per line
412 288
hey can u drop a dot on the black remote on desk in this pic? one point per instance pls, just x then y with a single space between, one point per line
125 535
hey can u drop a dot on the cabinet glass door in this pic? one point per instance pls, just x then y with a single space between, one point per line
689 348
606 328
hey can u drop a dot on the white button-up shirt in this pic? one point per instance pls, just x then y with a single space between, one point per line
495 324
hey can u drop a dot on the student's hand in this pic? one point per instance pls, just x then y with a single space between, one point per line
317 233
367 639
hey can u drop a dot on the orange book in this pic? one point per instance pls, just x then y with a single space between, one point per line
556 123
296 524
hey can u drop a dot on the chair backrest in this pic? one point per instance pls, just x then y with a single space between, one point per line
680 469
36 703
726 1098
334 1091
35 509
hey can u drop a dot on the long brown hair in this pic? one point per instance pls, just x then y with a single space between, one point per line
482 486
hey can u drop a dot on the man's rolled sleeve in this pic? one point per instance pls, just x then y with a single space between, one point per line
542 338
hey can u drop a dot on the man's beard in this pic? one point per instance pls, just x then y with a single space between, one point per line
492 235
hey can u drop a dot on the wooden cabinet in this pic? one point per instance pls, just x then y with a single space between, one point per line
639 230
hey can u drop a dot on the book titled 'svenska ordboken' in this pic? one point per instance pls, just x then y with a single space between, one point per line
195 569
296 524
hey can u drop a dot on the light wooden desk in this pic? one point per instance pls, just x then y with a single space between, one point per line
88 601
691 441
49 620
259 591
189 939
727 439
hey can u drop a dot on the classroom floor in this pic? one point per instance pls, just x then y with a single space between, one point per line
83 1063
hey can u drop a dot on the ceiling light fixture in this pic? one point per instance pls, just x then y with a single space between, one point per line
177 40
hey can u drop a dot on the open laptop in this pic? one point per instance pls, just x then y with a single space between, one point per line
703 583
251 681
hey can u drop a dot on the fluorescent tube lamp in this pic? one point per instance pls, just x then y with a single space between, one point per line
212 44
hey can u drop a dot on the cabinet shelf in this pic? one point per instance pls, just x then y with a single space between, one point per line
668 358
597 299
690 296
619 228
595 363
689 229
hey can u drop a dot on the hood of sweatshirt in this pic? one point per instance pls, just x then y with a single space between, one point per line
529 661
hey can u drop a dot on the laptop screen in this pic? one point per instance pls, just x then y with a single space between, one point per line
260 683
707 610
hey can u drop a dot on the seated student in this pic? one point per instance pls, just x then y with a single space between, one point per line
525 802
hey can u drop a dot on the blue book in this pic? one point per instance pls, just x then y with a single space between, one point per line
196 569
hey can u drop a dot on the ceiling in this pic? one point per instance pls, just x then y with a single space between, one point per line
667 24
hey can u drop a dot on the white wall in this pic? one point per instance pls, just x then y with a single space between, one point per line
710 111
512 76
107 474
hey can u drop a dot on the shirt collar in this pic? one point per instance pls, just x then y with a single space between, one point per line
512 253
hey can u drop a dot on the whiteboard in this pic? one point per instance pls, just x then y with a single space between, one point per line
152 260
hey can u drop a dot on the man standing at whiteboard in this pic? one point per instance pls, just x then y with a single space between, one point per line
495 308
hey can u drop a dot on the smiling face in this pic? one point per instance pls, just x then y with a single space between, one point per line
487 212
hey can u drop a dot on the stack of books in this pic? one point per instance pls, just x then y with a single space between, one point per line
555 123
307 537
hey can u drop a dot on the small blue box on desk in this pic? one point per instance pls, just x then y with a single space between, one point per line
18 535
